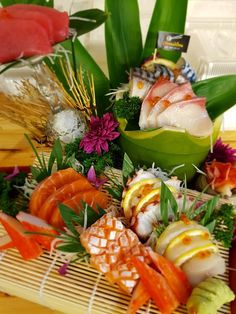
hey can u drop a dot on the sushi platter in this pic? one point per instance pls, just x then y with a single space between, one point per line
127 207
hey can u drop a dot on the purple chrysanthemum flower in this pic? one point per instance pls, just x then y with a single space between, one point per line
222 152
101 131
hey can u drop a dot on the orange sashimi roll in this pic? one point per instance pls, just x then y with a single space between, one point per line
50 185
35 224
61 194
25 243
92 197
6 242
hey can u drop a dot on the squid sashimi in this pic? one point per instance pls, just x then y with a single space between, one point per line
34 224
25 243
60 20
179 93
40 18
63 193
203 265
91 197
158 90
21 38
50 185
190 115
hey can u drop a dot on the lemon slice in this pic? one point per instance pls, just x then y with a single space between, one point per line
152 196
188 255
172 231
188 233
133 195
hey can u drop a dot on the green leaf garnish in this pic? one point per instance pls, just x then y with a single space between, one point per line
209 207
46 3
127 107
167 199
87 20
127 168
88 215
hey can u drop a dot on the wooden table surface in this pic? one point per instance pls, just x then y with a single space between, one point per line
14 150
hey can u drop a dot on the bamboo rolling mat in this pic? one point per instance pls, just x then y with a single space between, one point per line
82 290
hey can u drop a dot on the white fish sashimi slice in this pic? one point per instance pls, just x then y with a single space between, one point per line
139 87
179 93
190 115
158 90
199 267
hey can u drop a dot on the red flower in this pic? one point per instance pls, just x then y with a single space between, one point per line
101 131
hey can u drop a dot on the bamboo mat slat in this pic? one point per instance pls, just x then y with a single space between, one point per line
82 290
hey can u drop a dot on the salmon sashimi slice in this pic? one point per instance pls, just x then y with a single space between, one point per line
6 242
35 224
50 185
67 191
25 243
38 17
139 297
60 20
21 38
92 197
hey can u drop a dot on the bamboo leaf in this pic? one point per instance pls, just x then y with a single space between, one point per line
169 16
87 20
127 168
123 39
46 3
86 62
220 93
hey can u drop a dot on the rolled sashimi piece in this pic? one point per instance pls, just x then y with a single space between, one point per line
190 115
203 265
158 90
179 93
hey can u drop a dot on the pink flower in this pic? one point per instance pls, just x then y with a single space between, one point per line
92 178
101 131
222 152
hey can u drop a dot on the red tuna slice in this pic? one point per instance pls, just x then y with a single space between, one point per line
179 93
6 243
26 245
158 90
190 115
38 17
21 38
60 20
35 224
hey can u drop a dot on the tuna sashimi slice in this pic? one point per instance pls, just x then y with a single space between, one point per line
190 115
158 90
38 17
6 242
60 20
35 224
26 245
179 93
22 38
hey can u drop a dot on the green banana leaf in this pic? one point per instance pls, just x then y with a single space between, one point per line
220 93
168 16
123 39
46 3
87 20
81 58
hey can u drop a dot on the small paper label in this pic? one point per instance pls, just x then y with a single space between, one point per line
173 41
